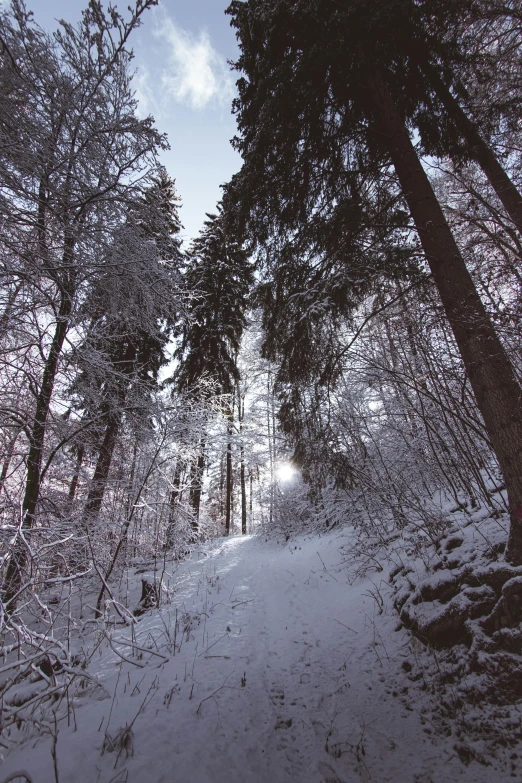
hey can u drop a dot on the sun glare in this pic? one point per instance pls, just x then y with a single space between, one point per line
285 472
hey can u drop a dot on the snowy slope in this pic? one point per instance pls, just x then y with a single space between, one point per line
278 669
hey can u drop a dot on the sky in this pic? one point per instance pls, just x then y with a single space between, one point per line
184 81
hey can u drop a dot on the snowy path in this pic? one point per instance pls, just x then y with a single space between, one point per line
286 672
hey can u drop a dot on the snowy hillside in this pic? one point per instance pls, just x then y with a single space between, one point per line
268 665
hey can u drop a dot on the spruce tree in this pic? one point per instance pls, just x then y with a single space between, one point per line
133 306
331 92
219 277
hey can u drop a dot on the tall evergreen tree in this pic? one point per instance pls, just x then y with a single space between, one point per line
133 307
331 92
219 276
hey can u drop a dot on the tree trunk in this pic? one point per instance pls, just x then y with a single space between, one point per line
196 483
13 576
222 462
251 504
8 458
117 394
497 392
173 502
80 453
228 509
243 494
5 318
34 459
130 485
125 529
103 464
481 152
241 413
270 455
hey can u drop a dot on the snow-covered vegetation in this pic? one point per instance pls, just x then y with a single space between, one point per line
260 497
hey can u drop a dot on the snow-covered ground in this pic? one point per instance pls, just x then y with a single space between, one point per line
268 665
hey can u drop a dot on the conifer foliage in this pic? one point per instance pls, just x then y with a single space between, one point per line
134 306
219 278
329 95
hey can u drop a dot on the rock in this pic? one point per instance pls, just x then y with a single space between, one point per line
441 625
495 575
453 542
507 612
441 587
512 595
148 598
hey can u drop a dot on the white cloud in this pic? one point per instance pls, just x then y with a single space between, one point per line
144 94
197 74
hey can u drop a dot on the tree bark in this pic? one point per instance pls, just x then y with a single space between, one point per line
8 458
271 456
241 414
228 508
34 459
103 464
173 502
13 576
506 190
80 453
497 392
116 395
251 503
196 483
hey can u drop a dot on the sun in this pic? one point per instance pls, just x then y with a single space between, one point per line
285 472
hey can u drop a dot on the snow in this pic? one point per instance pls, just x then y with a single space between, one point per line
270 664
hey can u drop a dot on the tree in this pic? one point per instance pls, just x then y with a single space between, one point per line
219 277
133 308
328 97
74 155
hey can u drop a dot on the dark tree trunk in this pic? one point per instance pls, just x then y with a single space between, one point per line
497 392
222 486
251 505
271 456
196 485
243 493
228 510
130 491
34 459
241 416
103 465
173 503
80 453
5 318
125 531
13 577
7 459
116 394
481 152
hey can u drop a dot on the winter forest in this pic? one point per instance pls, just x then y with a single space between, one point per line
261 492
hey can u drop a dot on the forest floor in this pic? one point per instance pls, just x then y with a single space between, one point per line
269 664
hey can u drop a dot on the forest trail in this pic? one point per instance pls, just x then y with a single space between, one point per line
282 669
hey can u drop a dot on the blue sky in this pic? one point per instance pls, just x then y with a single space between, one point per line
183 80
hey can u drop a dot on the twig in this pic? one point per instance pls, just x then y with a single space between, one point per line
213 645
345 626
212 695
126 643
326 570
